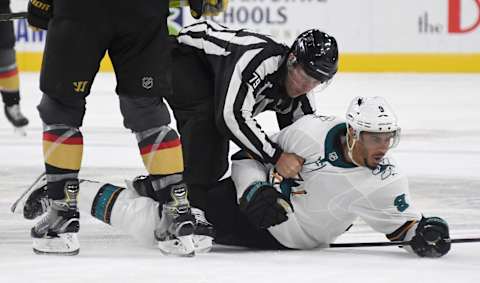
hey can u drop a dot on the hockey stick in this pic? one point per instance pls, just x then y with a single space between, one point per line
395 243
13 16
14 205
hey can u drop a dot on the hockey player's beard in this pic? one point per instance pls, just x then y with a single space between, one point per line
365 160
377 159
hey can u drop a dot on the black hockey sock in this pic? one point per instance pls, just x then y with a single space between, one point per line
10 97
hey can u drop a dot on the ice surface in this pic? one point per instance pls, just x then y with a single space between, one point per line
440 151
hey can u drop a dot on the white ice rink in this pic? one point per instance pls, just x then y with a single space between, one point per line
439 150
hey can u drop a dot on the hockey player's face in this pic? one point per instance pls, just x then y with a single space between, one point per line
372 147
298 82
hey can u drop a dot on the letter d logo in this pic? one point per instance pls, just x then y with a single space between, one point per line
454 17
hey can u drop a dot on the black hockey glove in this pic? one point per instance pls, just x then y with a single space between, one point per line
264 206
196 8
206 8
214 7
430 237
39 13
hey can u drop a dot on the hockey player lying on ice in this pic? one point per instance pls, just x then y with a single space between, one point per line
347 174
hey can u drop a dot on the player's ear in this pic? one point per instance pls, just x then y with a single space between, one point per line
291 60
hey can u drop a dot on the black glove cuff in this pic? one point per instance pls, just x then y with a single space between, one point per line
38 22
39 13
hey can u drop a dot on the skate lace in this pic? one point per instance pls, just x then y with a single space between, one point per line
62 215
199 216
42 226
45 203
49 221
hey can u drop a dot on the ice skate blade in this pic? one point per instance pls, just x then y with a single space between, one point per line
64 244
38 252
187 243
182 246
202 244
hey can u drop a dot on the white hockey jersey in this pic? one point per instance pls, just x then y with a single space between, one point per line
332 193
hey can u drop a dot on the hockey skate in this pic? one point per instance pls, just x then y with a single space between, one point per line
37 203
34 201
39 183
56 232
18 120
204 233
175 230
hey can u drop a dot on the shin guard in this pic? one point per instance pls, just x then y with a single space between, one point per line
161 152
62 151
9 82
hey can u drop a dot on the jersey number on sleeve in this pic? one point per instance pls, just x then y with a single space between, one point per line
400 203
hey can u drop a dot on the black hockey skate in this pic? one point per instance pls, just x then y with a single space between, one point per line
15 116
204 233
40 184
56 232
37 202
175 230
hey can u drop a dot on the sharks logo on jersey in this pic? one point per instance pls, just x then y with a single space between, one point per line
385 169
324 118
314 165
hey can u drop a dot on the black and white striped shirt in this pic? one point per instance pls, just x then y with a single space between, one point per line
249 74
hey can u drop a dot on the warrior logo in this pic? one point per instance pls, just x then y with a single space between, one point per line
324 118
147 82
80 86
315 165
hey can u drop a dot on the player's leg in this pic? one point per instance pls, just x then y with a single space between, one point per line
141 62
121 208
118 206
205 149
161 152
131 209
9 81
65 80
204 231
231 226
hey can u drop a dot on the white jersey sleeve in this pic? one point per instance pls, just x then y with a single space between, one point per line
387 208
245 172
122 208
296 139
